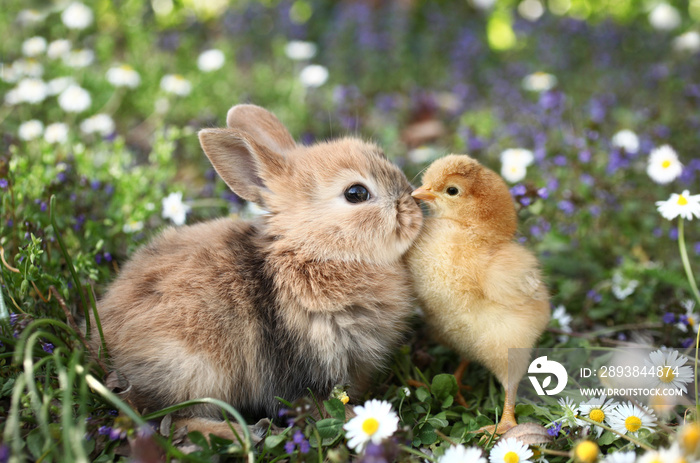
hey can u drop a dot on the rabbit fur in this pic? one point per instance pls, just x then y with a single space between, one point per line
312 295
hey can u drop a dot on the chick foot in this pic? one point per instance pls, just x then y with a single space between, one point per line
507 418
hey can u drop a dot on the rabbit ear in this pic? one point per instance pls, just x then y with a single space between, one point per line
244 164
261 125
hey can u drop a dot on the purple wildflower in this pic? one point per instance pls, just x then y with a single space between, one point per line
3 183
594 296
518 190
47 346
554 430
673 233
117 434
4 453
104 430
289 447
585 156
687 343
566 206
669 318
298 437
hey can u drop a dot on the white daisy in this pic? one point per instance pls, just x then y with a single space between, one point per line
58 49
461 454
79 59
531 10
621 287
521 156
313 75
683 204
59 84
671 370
32 90
123 76
513 172
176 84
569 412
99 123
510 450
30 130
650 456
598 410
374 422
627 140
539 82
691 318
688 42
628 418
56 133
620 457
28 67
77 16
34 46
664 17
174 209
132 226
663 166
300 50
12 97
31 16
74 99
9 73
563 319
210 60
422 154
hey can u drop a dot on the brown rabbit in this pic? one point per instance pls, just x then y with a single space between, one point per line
309 296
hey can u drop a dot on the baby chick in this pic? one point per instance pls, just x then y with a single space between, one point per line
481 292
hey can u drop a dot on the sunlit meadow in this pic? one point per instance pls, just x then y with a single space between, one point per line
589 109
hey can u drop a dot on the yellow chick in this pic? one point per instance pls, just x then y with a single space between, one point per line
481 292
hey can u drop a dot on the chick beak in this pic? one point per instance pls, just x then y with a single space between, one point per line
424 193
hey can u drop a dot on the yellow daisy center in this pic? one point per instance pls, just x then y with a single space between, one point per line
511 457
633 423
682 201
690 437
667 375
597 415
666 164
370 426
587 451
691 321
126 67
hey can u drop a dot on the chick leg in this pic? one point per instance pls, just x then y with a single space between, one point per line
459 398
507 420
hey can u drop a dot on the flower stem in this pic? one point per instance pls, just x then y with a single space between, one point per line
624 436
696 293
686 262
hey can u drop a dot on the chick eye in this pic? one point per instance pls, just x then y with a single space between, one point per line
356 194
452 191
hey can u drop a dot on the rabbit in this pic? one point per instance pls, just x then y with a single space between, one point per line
312 295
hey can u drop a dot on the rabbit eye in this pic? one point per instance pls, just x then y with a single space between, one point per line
452 191
356 194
